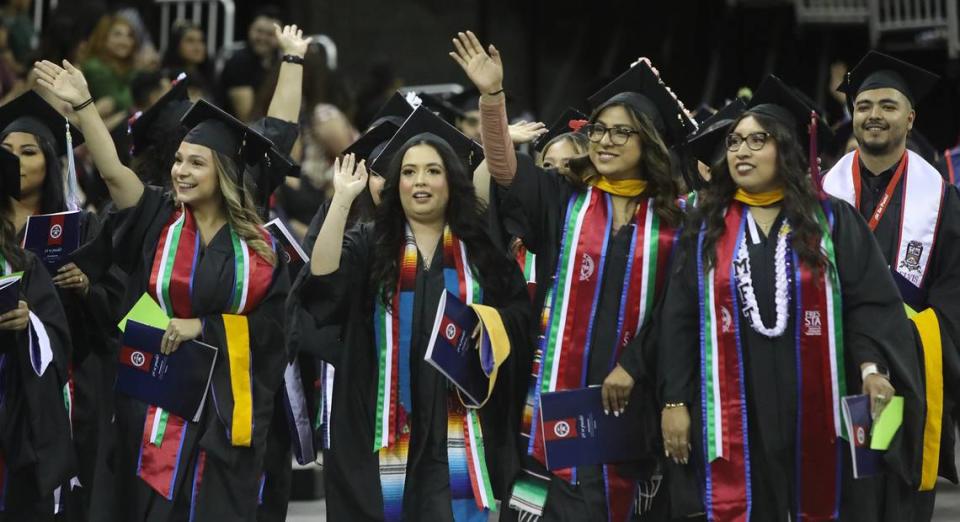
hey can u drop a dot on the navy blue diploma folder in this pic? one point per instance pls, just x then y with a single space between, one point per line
576 432
177 382
53 237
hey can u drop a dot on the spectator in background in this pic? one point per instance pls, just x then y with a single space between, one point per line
187 53
247 67
9 67
109 67
378 86
20 33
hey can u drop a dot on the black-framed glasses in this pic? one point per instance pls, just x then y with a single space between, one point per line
618 135
755 141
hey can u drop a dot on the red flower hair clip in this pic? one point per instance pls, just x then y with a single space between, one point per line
576 125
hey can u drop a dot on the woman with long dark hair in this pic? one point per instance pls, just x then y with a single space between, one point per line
202 253
603 244
384 286
36 454
187 53
781 306
35 132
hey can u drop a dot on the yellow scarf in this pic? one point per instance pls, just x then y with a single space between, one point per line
759 199
619 187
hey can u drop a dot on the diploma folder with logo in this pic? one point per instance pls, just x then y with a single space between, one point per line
470 364
53 237
576 431
290 249
177 382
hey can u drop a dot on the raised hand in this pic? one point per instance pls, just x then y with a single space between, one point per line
349 177
525 132
66 83
291 41
484 70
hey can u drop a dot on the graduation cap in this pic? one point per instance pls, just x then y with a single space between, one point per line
213 128
466 101
441 107
153 125
30 113
642 90
371 143
396 110
564 124
9 174
705 143
703 113
785 104
878 71
425 122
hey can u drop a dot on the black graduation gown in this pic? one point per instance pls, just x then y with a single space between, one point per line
534 209
345 297
875 329
232 475
91 319
34 428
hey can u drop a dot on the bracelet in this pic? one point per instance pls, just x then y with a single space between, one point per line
292 58
78 108
672 405
495 93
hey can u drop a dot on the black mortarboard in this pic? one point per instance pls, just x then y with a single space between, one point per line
643 91
211 127
441 107
396 108
705 143
423 121
786 105
30 113
878 71
368 146
9 174
155 124
560 126
703 113
466 101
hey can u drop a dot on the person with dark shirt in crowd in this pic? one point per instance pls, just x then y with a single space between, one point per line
247 67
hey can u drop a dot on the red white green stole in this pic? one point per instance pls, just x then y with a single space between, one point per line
820 367
561 360
171 284
470 486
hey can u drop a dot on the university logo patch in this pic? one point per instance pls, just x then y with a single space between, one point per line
912 259
812 325
56 231
587 267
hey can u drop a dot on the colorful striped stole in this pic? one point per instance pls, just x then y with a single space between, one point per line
820 376
470 487
171 284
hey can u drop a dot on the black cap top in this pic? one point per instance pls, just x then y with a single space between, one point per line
786 105
703 113
9 174
153 125
422 121
30 113
397 107
211 127
560 126
641 89
705 143
466 101
441 107
368 146
878 71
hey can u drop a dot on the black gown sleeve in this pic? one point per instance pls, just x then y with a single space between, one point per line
679 329
532 207
876 329
34 427
282 133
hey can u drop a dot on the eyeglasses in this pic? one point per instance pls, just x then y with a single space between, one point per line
618 135
755 141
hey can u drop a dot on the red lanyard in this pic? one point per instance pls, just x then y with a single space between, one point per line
887 194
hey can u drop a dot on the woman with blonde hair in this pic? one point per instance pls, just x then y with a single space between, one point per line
202 253
108 63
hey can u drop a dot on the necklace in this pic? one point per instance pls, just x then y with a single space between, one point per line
751 309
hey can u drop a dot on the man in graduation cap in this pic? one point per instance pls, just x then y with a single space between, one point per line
915 216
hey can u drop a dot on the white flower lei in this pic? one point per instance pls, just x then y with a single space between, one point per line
781 287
